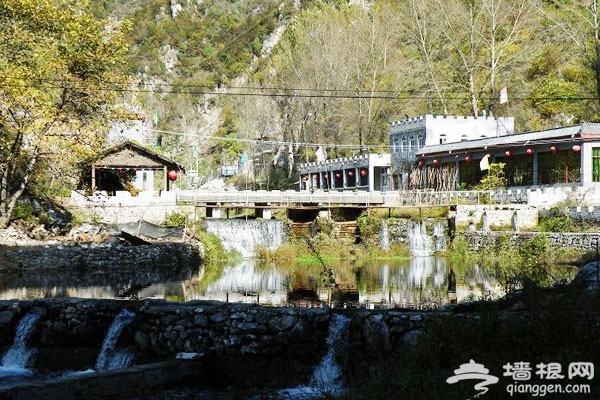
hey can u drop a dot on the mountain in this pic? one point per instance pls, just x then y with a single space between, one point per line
219 78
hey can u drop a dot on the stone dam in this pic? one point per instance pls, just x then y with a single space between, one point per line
228 344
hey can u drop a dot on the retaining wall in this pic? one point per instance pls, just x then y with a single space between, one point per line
70 333
579 241
104 258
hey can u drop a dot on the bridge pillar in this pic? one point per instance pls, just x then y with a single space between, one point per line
261 212
212 210
267 214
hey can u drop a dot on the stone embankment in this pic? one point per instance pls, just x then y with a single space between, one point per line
70 333
99 257
579 241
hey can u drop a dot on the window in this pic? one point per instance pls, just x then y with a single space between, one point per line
420 141
464 138
442 138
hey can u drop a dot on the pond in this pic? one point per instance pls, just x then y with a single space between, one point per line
418 282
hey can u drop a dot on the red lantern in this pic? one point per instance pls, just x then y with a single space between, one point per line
305 179
363 172
576 148
338 175
553 149
172 175
350 173
468 159
420 163
507 153
529 151
436 161
325 176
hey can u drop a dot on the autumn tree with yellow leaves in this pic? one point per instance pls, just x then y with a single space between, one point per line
58 84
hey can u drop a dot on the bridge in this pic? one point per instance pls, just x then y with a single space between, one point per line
290 198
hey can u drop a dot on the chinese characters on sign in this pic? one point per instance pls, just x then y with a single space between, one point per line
521 372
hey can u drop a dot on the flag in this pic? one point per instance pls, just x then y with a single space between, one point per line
243 158
321 154
484 163
503 95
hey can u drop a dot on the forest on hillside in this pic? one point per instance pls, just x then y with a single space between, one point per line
342 71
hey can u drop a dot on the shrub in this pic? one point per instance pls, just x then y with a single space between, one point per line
213 248
175 219
23 210
324 225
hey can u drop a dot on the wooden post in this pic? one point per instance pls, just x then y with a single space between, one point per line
166 178
93 178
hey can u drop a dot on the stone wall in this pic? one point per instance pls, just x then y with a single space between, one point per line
578 241
501 215
104 258
122 208
69 335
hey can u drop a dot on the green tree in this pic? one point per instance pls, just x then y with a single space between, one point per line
494 179
56 63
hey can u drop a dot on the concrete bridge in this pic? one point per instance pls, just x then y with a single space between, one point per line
290 198
154 206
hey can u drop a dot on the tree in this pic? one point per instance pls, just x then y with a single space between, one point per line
494 180
58 70
575 26
338 64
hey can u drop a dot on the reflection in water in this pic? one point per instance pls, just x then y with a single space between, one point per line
420 282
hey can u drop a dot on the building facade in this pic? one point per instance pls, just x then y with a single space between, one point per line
560 156
408 137
369 172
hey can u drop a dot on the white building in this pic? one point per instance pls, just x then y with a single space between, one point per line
369 172
409 136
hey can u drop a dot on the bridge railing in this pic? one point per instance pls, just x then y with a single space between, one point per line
413 198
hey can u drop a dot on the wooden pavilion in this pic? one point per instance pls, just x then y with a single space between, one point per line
132 158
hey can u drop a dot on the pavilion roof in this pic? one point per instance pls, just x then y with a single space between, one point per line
133 155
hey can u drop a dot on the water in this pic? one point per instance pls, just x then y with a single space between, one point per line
485 222
419 242
385 237
327 379
418 282
244 236
18 357
109 357
439 237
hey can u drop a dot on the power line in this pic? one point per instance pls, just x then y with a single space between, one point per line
272 142
274 92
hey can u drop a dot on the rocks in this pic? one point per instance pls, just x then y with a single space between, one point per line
377 334
6 317
588 278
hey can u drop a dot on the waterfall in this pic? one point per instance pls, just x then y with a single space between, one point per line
244 236
109 358
420 243
17 357
326 380
439 236
385 237
485 222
